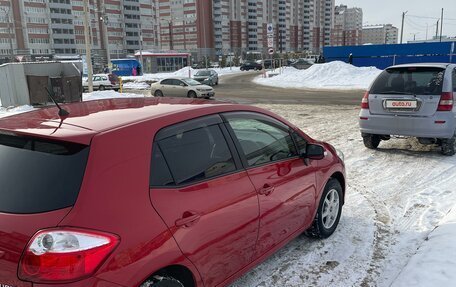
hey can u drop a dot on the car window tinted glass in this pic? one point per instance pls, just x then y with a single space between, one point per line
262 142
166 82
177 82
39 176
159 171
301 143
197 154
411 80
454 80
203 73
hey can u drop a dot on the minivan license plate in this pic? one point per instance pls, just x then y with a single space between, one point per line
400 104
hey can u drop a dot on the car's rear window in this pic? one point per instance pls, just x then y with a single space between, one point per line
409 80
38 175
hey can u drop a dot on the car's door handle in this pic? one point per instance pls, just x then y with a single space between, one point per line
266 189
188 219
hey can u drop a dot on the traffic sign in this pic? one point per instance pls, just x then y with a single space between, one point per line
271 51
270 42
270 29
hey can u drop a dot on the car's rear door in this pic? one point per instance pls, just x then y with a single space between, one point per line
411 91
285 184
204 196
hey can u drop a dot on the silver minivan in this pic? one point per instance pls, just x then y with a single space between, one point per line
412 100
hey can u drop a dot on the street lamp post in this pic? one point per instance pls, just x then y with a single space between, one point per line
88 45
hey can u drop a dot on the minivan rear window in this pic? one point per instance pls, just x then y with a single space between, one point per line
409 80
39 175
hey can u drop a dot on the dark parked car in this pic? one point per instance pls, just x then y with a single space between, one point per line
207 77
157 192
246 66
302 64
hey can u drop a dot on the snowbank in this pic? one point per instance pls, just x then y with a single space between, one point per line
5 112
435 261
184 72
101 95
333 75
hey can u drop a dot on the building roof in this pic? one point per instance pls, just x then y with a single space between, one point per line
89 118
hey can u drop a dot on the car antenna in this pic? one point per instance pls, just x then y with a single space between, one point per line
62 112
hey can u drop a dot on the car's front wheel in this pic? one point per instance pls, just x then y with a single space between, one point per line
371 141
191 94
329 211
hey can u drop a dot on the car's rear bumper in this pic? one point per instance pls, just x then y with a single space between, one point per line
440 125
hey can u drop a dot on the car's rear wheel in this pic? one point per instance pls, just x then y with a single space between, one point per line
191 94
329 211
371 141
448 146
158 93
101 88
159 281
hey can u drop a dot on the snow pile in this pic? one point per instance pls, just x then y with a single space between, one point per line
333 75
101 95
136 85
5 112
435 261
184 72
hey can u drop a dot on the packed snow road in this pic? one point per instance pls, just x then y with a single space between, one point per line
396 196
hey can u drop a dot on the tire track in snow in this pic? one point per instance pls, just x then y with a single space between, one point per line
383 234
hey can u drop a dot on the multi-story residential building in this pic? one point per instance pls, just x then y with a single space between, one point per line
380 34
44 28
348 26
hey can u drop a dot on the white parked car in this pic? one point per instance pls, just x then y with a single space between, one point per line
181 87
102 82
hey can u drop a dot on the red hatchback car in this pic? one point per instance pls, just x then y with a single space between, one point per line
157 192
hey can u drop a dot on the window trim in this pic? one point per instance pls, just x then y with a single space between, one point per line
254 115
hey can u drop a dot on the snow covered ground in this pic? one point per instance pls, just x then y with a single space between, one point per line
396 196
333 75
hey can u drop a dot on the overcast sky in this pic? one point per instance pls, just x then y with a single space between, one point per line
420 13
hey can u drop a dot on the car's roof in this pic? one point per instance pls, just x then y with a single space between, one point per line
89 118
430 65
176 78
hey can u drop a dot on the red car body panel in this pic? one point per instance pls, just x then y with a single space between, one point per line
238 227
225 226
286 192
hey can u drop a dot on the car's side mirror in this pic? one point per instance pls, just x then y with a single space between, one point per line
314 151
182 85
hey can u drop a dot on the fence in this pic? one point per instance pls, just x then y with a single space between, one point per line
382 56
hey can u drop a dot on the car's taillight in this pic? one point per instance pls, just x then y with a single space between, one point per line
446 102
64 255
365 101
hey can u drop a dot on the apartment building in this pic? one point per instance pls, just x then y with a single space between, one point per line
40 29
348 26
380 34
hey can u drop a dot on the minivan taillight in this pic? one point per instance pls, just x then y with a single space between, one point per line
446 102
365 101
65 255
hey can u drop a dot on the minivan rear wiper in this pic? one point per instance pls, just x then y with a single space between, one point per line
394 93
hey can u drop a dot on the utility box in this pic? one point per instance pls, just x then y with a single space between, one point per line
30 83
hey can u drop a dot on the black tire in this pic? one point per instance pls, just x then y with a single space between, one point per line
192 94
371 141
216 83
159 281
242 69
448 146
101 88
158 93
324 226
